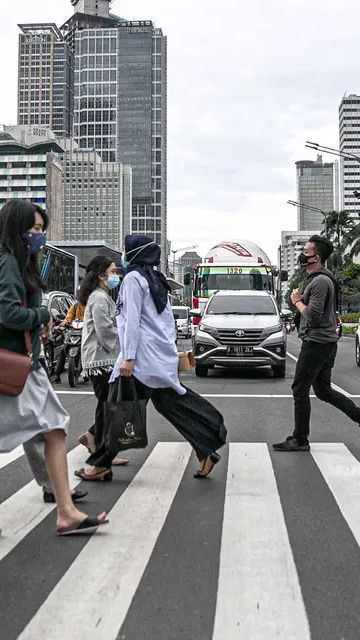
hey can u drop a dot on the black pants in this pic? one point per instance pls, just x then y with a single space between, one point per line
196 419
314 366
100 385
60 365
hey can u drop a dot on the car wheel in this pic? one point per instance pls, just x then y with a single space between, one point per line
357 352
201 371
280 371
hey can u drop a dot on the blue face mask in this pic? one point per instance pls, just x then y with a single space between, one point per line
113 281
35 241
124 263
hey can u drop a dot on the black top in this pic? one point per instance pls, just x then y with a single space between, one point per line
14 316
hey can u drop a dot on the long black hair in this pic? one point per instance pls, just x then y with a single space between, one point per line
96 268
16 218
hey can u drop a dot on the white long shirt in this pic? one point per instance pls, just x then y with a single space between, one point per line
146 336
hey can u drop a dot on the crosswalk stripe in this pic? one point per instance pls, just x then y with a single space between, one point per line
7 458
259 595
24 510
96 591
341 471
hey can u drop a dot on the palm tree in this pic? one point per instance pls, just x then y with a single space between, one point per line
352 241
339 225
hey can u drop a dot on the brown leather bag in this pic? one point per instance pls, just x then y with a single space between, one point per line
14 369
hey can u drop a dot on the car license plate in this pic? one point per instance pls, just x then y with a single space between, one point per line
238 350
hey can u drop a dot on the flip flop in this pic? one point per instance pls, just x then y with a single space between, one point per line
89 525
105 476
213 458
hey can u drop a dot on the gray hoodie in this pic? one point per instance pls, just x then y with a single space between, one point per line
100 343
318 321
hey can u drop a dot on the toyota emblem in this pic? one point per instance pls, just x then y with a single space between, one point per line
240 334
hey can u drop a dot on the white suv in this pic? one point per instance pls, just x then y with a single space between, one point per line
240 328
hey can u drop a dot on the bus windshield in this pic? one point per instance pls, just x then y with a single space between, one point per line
58 269
208 280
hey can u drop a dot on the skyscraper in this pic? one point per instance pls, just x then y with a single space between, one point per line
45 85
96 195
120 103
349 134
315 187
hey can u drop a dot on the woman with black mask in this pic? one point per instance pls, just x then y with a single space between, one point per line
36 410
148 353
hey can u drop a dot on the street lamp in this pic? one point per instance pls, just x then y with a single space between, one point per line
334 152
310 208
175 251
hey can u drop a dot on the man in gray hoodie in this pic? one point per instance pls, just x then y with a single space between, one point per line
316 307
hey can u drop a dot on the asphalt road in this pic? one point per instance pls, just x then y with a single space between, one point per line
266 548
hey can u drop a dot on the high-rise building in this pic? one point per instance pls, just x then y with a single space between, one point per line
30 169
315 187
188 261
120 98
45 78
97 196
121 104
349 134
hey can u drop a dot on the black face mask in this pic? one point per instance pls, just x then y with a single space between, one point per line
304 260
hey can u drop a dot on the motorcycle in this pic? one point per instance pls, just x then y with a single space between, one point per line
54 343
289 326
338 325
73 345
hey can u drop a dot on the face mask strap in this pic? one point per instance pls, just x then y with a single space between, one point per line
138 249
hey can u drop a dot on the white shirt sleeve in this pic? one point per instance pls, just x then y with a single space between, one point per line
133 296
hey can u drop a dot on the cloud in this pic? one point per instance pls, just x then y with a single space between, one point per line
248 84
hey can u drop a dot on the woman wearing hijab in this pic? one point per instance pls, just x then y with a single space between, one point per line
148 353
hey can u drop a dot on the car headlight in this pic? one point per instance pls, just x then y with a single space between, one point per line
270 330
212 331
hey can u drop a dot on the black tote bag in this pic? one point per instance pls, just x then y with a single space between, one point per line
125 417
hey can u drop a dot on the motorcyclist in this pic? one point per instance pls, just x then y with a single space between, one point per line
76 312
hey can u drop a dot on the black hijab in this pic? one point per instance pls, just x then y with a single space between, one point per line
143 254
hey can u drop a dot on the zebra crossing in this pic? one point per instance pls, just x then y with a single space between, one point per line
259 591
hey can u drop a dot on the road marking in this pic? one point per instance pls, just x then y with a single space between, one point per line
7 458
334 386
259 595
341 471
111 566
214 395
25 509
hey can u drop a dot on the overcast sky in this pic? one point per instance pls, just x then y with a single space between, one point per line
248 84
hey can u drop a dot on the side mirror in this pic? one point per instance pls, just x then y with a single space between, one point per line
187 279
195 313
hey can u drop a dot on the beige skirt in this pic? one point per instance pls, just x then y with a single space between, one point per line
36 410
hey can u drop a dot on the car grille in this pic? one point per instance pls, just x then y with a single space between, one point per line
251 337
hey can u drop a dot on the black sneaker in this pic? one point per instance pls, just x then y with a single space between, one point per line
76 496
292 444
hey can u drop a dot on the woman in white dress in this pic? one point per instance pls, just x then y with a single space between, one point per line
37 409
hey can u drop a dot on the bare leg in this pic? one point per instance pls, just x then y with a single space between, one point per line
56 463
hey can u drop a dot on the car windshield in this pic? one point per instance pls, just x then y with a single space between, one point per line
241 305
180 314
